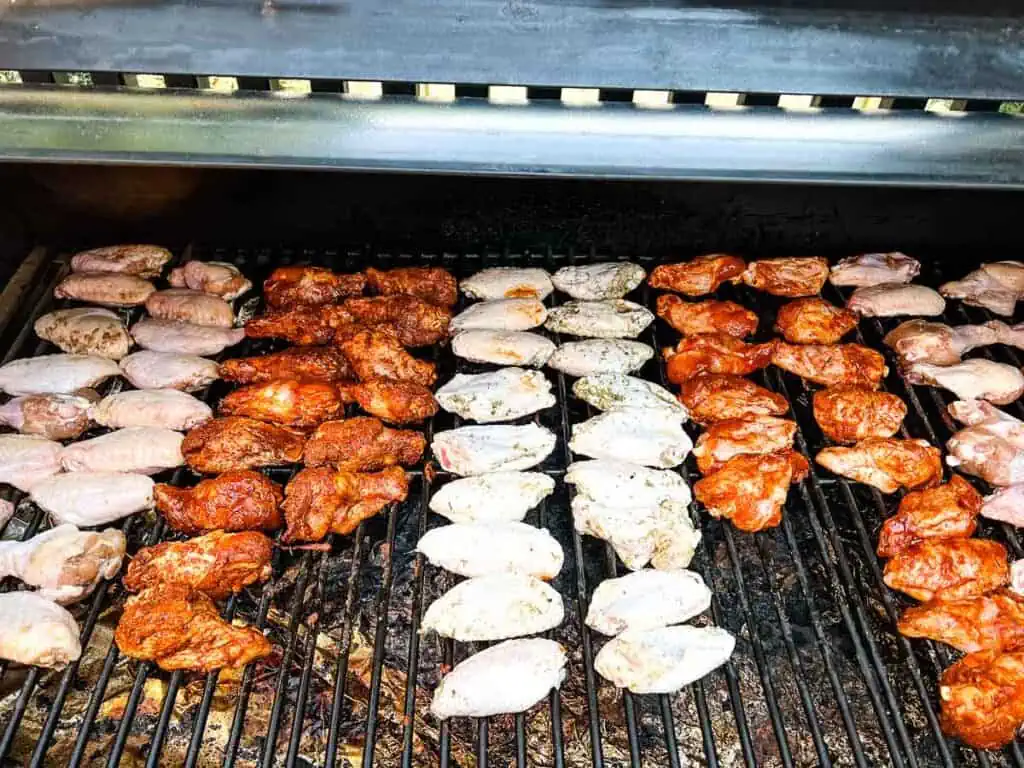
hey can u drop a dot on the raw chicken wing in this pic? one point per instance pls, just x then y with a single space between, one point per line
37 631
508 283
663 660
619 484
494 607
637 436
215 277
832 364
814 321
849 414
233 501
496 497
188 306
378 354
433 284
145 450
362 444
141 260
418 323
887 463
164 408
1005 505
479 549
55 417
27 459
751 490
976 378
304 363
595 282
611 319
322 501
892 299
996 287
55 374
290 287
647 600
236 442
475 450
921 341
287 402
948 569
983 699
87 499
168 370
949 511
715 397
1011 335
737 437
184 338
593 356
715 353
993 451
875 268
793 277
106 288
709 316
698 277
503 347
614 391
501 395
993 622
396 402
303 325
85 331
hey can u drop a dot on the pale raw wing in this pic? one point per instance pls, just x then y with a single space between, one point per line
37 631
55 374
141 260
190 306
1008 273
165 408
184 338
647 600
494 607
106 288
892 299
612 319
54 416
494 497
503 347
85 331
605 280
607 391
498 447
509 677
501 395
1006 505
595 356
663 660
1017 577
500 315
479 549
875 268
217 277
619 483
508 283
146 450
976 378
26 459
920 341
641 437
981 289
169 370
93 498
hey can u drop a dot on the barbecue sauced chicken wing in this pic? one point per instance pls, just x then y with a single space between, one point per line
848 414
751 490
180 628
288 402
362 444
377 353
948 569
700 276
321 501
418 323
305 363
799 276
992 622
237 442
710 316
290 287
735 437
832 364
887 463
714 353
396 402
814 321
302 325
949 511
234 501
716 397
983 698
218 564
433 284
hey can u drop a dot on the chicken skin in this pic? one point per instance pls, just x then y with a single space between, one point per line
287 402
716 397
432 284
710 316
234 501
814 321
396 402
306 326
362 444
217 564
751 490
714 353
983 698
832 364
235 442
291 287
378 353
698 277
949 511
887 463
792 277
418 323
321 501
920 341
180 628
735 437
992 622
304 363
849 414
948 569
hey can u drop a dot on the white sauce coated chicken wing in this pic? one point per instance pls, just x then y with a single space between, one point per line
508 283
619 483
494 448
55 374
86 499
638 436
594 356
611 319
647 600
500 315
164 408
503 347
608 391
605 280
494 497
500 395
37 631
479 549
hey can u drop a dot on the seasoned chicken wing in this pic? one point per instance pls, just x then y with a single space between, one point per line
709 316
303 363
992 450
503 347
93 498
714 353
832 364
215 277
236 442
378 353
418 323
663 660
594 356
140 260
396 402
180 628
27 459
600 281
983 698
189 306
814 321
106 288
735 437
715 397
887 463
362 444
218 563
55 417
233 501
145 450
289 402
892 299
949 511
291 287
494 607
751 490
433 284
85 331
1010 335
507 315
977 378
698 277
993 622
875 268
948 569
303 325
321 501
797 276
848 414
610 319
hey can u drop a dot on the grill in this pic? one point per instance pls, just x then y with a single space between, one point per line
819 676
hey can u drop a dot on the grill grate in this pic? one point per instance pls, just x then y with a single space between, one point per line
818 677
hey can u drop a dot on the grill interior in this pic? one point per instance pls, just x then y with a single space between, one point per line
819 676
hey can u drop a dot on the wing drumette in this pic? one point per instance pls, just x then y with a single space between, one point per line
290 287
233 501
433 284
949 511
321 501
715 353
362 444
288 402
305 363
236 442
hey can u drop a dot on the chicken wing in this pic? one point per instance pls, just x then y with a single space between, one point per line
797 276
236 442
37 631
289 402
892 299
709 316
326 364
983 698
996 287
611 319
432 284
875 268
55 417
594 356
948 569
215 277
599 281
508 283
949 511
321 501
1010 335
831 364
180 628
362 444
698 277
814 321
145 450
93 498
184 338
303 325
234 501
85 331
849 414
168 370
710 398
921 341
992 622
503 347
977 378
140 260
396 402
507 315
291 287
714 353
1006 505
751 490
418 323
188 306
737 437
887 463
55 374
378 353
217 564
106 288
27 459
162 408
